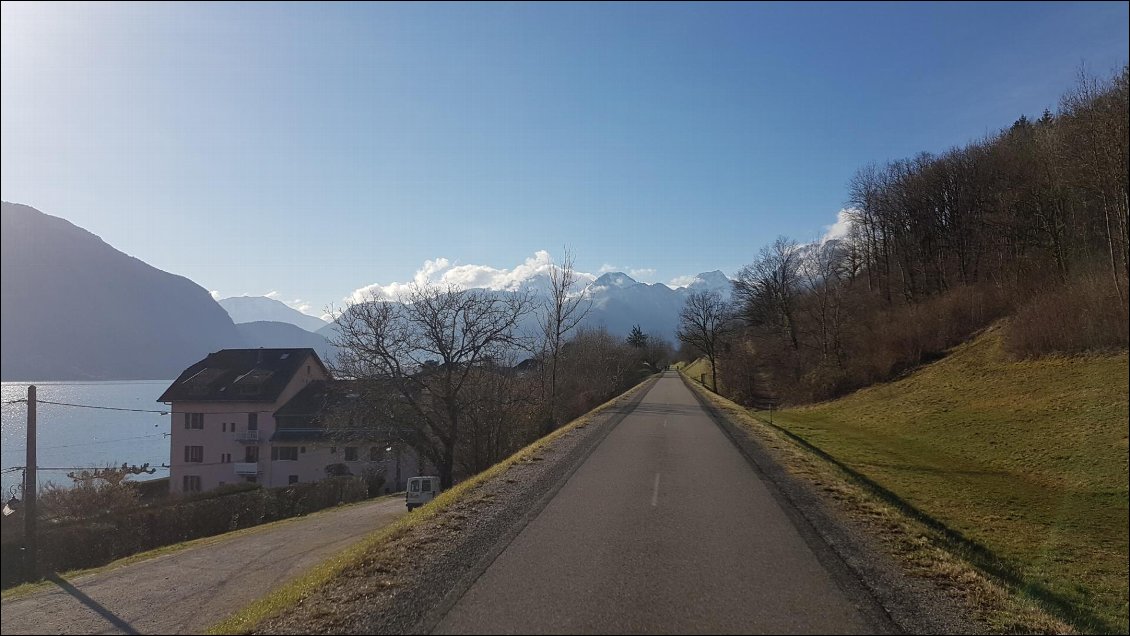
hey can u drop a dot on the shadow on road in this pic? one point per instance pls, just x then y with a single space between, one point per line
667 409
110 617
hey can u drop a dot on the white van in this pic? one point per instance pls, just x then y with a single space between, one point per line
421 490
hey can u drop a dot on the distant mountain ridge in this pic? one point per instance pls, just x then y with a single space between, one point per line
261 308
620 302
283 335
75 308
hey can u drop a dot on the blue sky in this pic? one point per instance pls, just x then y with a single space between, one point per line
314 149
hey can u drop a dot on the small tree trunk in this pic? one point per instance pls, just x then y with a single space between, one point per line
446 468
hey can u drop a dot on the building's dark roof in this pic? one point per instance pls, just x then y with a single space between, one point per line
304 416
315 398
239 375
527 365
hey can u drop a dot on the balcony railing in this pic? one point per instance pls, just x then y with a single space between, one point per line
246 468
247 436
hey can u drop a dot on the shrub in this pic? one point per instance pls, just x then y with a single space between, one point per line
1080 316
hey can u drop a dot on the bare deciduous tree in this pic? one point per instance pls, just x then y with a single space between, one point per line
564 310
427 346
766 291
821 275
702 324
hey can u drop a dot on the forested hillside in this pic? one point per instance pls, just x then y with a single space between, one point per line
1030 223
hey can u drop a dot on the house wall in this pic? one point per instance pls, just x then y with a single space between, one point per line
313 459
223 423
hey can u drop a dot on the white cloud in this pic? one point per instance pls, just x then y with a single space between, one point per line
441 271
273 295
215 294
681 281
840 228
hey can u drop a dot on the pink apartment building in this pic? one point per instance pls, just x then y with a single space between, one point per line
260 415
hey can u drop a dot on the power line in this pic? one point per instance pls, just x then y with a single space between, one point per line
105 441
116 408
157 411
51 383
15 468
104 408
80 467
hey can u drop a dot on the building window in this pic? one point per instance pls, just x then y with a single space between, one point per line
191 483
194 421
252 421
284 453
251 454
374 453
350 453
293 479
193 454
225 458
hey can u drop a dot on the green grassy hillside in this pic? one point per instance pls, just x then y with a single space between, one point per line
1028 459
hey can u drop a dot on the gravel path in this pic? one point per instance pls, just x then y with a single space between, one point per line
190 590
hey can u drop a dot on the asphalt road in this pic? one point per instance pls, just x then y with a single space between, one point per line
666 528
188 591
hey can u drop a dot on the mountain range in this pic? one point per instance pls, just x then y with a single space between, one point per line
620 302
75 308
259 308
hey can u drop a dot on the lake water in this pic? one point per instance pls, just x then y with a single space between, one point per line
71 437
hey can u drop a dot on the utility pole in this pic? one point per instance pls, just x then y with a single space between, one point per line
30 543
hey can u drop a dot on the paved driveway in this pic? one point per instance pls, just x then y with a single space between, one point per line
190 590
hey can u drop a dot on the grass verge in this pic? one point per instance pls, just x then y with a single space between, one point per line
919 547
291 594
1018 467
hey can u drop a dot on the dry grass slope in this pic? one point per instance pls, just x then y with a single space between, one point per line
1028 459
